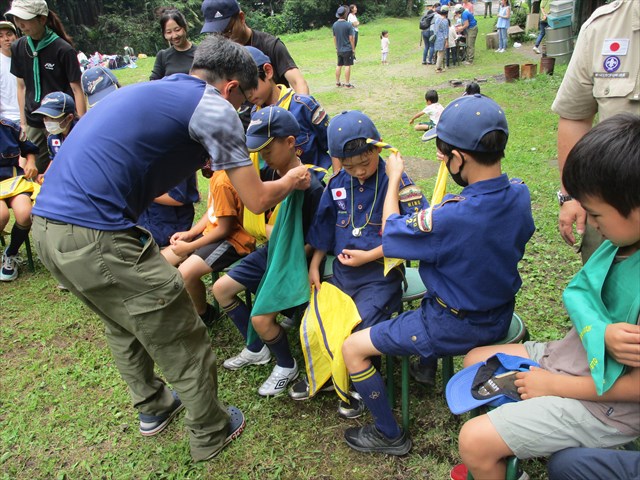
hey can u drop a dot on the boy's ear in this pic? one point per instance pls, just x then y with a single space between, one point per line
291 141
268 71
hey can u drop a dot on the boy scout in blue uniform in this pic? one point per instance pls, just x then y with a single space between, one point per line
469 247
272 132
311 142
349 222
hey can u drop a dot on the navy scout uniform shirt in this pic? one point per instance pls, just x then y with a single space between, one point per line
345 205
469 246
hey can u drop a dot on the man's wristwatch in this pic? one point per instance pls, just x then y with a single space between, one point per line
562 198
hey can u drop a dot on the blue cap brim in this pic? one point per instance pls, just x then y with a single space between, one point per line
256 143
50 112
215 26
429 135
96 97
458 391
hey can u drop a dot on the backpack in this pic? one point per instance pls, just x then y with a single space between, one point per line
425 22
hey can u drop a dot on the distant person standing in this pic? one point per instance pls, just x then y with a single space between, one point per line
9 107
344 41
44 61
602 78
470 28
487 8
504 20
353 20
227 18
384 46
544 11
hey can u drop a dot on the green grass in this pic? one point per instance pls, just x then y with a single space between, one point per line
66 414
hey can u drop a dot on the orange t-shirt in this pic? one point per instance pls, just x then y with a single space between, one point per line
223 201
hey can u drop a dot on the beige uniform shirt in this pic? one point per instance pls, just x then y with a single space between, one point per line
603 76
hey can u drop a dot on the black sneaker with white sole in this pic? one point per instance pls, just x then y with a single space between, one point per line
353 409
301 390
370 439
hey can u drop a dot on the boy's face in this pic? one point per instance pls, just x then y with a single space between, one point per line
55 126
621 231
279 152
361 166
261 96
7 37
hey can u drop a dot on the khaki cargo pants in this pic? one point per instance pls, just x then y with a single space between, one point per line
148 317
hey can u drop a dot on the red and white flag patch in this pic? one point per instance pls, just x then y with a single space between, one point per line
615 46
339 193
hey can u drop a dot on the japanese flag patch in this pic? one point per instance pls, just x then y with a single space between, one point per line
55 142
615 46
339 193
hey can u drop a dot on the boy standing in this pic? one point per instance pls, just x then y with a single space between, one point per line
215 242
348 224
272 132
9 107
433 110
344 41
583 395
469 247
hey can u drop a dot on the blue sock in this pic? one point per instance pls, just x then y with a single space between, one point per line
370 386
240 314
279 347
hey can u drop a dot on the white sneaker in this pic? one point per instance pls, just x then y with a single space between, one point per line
498 50
278 380
501 50
9 270
536 49
247 357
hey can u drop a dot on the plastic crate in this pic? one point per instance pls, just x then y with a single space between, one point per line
559 22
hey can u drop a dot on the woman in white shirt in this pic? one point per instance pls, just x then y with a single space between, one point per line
353 20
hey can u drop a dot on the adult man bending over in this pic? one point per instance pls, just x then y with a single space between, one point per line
105 175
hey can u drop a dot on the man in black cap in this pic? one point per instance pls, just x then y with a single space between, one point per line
344 41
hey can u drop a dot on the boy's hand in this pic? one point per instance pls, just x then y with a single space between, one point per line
181 249
534 383
353 258
314 277
622 341
411 121
30 170
180 236
301 176
395 166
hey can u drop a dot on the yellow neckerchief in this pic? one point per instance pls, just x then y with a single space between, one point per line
252 223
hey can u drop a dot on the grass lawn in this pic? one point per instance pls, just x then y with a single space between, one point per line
66 413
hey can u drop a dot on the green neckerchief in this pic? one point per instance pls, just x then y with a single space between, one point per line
49 37
601 293
285 283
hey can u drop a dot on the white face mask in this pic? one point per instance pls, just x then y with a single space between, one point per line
54 128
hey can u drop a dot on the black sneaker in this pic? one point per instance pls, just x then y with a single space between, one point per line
300 389
209 316
353 409
424 374
370 439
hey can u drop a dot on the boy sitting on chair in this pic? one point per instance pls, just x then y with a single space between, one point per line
587 391
469 247
272 132
14 146
348 224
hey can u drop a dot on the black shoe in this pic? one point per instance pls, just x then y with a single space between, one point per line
209 316
301 391
353 409
424 374
370 439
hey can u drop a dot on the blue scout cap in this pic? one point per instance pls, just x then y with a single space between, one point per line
217 14
486 382
269 123
466 120
340 12
258 56
349 126
97 83
56 105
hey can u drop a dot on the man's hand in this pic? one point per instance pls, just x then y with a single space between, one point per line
622 341
301 176
571 213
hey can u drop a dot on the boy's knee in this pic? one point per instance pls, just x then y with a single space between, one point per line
222 291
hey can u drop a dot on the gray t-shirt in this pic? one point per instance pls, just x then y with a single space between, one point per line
342 30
